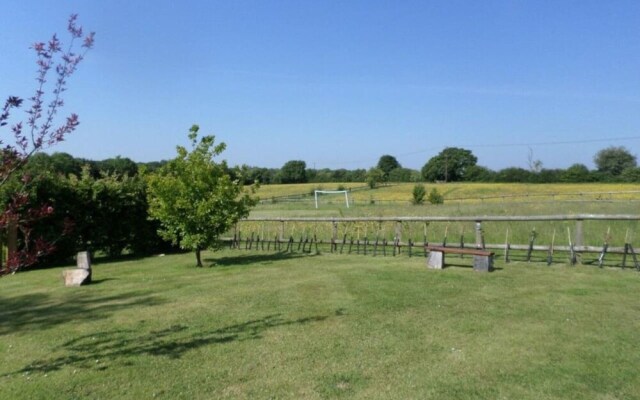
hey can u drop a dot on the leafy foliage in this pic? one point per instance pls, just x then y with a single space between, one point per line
418 194
613 160
450 165
404 175
194 198
435 197
387 164
374 177
106 214
293 171
576 173
39 131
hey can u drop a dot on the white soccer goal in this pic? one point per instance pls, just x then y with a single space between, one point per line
346 195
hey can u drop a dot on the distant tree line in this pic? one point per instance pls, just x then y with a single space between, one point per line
613 164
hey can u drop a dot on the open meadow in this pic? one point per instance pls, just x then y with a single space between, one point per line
264 324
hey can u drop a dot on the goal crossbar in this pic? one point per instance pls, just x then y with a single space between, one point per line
346 195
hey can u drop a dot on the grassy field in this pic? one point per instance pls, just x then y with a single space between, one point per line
468 192
394 201
266 326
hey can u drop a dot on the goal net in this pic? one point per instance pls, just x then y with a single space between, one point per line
345 192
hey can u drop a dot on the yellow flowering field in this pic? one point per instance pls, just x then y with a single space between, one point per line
467 192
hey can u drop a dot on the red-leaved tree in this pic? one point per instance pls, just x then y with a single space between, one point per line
40 130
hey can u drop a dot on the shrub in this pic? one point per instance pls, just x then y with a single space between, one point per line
435 197
419 193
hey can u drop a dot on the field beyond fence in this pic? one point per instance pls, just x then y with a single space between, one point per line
400 193
402 235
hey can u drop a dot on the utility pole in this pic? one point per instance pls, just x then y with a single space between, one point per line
446 168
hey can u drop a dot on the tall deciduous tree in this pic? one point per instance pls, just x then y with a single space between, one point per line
195 199
450 165
613 160
294 171
387 164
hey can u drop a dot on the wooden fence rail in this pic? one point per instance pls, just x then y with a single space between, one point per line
575 247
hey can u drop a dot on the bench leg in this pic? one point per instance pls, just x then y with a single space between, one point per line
435 260
483 263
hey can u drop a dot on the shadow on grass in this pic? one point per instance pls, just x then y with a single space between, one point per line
105 259
466 266
100 349
40 311
248 259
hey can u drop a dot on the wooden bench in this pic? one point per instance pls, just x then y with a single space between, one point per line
482 259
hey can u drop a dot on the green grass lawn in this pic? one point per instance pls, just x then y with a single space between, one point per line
263 326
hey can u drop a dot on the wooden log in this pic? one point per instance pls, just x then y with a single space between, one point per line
633 255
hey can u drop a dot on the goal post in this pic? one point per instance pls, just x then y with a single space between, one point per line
346 195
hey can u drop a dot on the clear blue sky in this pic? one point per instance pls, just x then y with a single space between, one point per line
340 83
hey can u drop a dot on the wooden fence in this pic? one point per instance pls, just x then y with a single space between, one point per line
576 249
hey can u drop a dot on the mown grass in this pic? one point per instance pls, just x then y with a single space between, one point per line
266 325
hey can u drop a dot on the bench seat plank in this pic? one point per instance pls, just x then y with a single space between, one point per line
482 259
458 250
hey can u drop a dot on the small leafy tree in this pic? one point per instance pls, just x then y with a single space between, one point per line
435 197
374 177
294 171
194 198
387 164
450 165
419 193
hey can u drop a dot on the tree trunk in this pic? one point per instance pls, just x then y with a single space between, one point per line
198 258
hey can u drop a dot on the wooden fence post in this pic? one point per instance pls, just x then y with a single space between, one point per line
398 230
334 237
282 230
579 239
479 239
